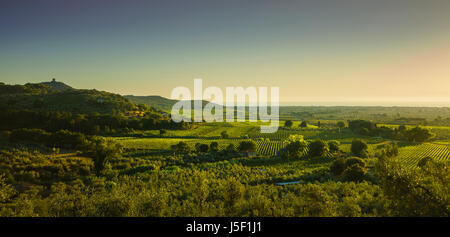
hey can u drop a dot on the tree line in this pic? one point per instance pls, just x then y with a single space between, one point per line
367 128
93 123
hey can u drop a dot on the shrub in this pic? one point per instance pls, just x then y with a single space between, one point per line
230 148
224 134
424 161
355 173
201 148
214 147
345 168
338 167
334 145
294 149
247 146
181 148
359 148
318 148
355 160
288 124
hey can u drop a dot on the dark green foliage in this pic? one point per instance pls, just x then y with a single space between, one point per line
424 161
334 146
340 125
38 103
101 150
355 173
363 127
45 97
84 123
303 124
318 148
389 150
233 193
349 169
294 150
181 148
224 134
214 147
21 89
60 139
288 123
54 106
7 191
158 102
338 166
359 148
230 148
137 170
355 160
201 148
419 192
245 146
418 134
35 167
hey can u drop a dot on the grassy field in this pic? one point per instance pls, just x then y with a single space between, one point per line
268 145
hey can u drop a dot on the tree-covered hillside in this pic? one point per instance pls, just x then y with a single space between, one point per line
156 101
45 97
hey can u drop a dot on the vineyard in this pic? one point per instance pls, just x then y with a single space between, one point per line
284 134
411 155
268 148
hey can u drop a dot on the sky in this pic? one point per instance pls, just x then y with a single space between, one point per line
317 52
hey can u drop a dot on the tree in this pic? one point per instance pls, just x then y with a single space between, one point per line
318 148
294 150
354 173
288 124
233 192
334 146
224 134
295 147
201 148
337 167
350 169
247 146
181 148
340 125
214 147
418 134
359 148
230 148
424 161
415 192
354 160
390 150
303 124
363 127
402 128
101 150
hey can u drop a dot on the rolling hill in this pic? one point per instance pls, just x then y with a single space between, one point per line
57 96
156 101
